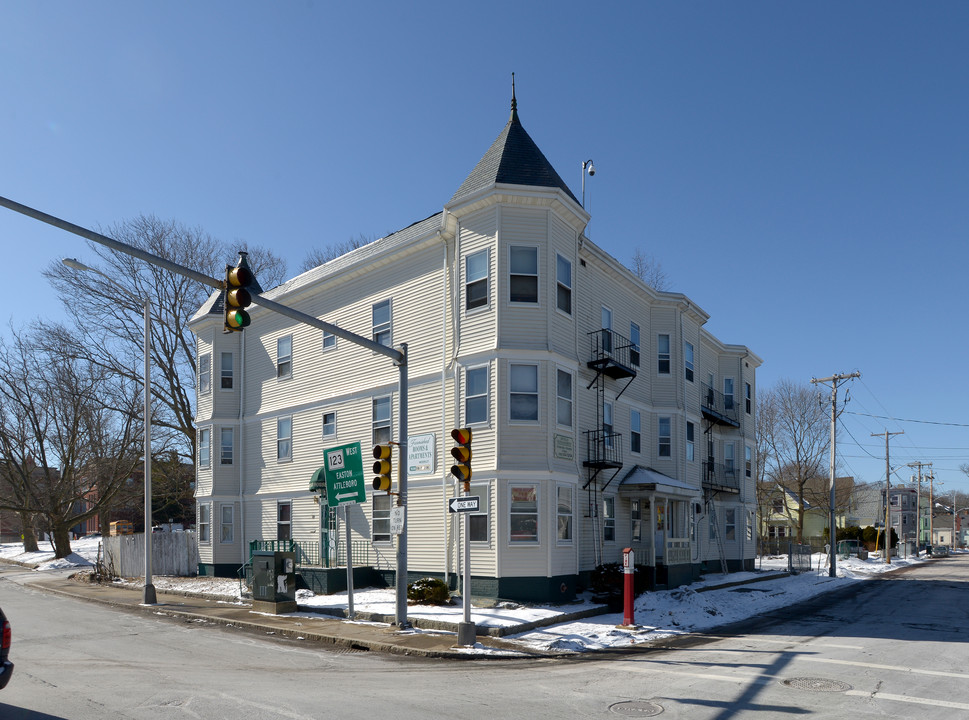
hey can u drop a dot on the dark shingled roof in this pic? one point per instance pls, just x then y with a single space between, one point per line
512 159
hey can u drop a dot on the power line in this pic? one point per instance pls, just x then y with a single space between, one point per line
894 419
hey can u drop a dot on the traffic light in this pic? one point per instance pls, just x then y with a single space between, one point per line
238 280
462 455
381 467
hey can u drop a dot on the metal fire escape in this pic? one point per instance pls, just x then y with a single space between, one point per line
616 358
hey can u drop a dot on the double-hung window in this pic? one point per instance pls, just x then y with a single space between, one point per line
329 424
690 441
205 447
226 374
730 524
524 392
564 514
607 425
609 519
606 330
380 321
204 522
635 431
381 517
728 393
663 354
205 374
476 395
329 341
665 437
227 443
523 514
523 274
634 344
284 520
688 361
225 533
748 461
284 357
381 420
563 397
748 397
284 439
476 280
478 525
563 277
728 459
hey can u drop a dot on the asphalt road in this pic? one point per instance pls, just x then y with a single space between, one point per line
889 648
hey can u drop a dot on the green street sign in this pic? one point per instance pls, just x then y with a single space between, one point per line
343 467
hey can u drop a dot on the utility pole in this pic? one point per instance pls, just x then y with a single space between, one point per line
888 488
918 505
931 476
833 380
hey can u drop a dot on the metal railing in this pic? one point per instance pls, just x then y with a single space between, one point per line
719 406
610 345
603 449
720 475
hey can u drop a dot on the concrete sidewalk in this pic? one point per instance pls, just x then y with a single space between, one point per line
303 625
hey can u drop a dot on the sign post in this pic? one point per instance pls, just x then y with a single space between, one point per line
343 470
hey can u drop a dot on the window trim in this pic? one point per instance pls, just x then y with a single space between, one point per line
512 392
205 440
389 423
536 275
605 322
732 394
559 399
533 540
569 516
748 397
563 286
668 445
688 361
690 441
663 359
485 280
609 520
204 524
280 439
284 363
635 344
635 431
383 516
222 446
748 461
205 374
323 343
486 395
323 420
222 371
222 523
280 504
378 329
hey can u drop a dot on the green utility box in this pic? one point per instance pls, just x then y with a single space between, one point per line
274 582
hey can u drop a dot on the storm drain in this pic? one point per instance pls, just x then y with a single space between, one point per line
636 708
816 684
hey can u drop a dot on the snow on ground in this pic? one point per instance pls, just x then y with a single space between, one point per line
657 615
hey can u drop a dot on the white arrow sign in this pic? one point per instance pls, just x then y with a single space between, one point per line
463 504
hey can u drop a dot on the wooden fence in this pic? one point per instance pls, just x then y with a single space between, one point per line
174 553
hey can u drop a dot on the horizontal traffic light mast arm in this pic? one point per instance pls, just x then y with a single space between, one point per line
395 355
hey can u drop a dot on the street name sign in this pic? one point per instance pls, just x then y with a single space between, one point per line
343 468
463 504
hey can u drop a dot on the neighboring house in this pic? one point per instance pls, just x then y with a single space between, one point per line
604 415
942 529
781 520
903 514
867 506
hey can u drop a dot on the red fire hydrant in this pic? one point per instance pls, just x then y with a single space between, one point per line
628 571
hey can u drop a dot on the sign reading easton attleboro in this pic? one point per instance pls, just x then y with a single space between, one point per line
343 468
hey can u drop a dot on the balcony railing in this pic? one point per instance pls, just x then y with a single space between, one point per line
613 355
718 407
603 449
721 477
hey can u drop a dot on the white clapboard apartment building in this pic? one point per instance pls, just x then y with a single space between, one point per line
604 415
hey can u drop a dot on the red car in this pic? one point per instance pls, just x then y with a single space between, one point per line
6 667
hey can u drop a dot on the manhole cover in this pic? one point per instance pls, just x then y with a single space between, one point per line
816 684
636 708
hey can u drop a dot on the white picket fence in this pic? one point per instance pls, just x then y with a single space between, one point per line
174 553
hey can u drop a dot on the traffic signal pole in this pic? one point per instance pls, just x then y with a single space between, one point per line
399 357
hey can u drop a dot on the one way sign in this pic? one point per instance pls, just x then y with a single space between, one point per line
463 504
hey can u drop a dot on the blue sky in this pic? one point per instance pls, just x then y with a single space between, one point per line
799 169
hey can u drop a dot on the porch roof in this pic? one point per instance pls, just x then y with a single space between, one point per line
643 479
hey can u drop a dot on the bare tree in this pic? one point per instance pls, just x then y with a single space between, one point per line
68 436
648 269
111 335
797 437
321 256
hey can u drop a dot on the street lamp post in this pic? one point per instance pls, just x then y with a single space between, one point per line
150 598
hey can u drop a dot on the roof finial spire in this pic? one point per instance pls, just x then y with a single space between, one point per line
514 102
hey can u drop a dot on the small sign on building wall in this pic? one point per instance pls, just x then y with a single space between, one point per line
420 454
563 447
